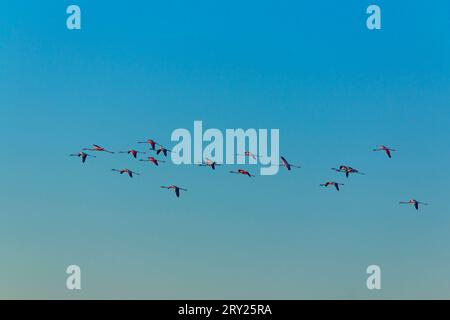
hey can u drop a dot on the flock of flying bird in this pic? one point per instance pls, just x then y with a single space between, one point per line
159 149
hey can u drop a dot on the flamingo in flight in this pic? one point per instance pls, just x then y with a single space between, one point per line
133 152
151 159
97 148
175 188
127 171
163 150
386 150
82 155
332 183
415 203
248 154
347 170
242 171
209 163
152 143
288 165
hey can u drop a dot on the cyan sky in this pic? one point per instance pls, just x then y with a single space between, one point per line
144 68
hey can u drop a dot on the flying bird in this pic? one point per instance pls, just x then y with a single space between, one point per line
386 150
248 154
127 171
347 170
175 188
332 183
152 159
163 150
82 155
152 143
209 163
288 165
97 148
244 172
133 152
415 203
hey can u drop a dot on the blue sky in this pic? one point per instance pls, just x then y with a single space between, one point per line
142 69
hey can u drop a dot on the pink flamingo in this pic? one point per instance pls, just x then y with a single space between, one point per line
287 165
248 154
347 170
386 150
127 171
209 163
151 159
133 152
97 148
175 188
244 172
415 203
152 143
163 150
332 183
82 155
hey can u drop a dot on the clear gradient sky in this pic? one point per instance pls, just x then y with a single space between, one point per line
141 69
